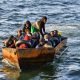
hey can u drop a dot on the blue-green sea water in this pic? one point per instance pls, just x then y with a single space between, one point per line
63 15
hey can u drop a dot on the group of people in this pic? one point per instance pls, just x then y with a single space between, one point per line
33 35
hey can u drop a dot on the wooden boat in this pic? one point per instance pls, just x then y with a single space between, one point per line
23 58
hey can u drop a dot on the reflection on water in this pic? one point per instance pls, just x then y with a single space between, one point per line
10 74
44 72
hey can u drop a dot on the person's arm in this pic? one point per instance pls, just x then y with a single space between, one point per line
44 29
41 27
41 31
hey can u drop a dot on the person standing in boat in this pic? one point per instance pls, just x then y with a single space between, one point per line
39 26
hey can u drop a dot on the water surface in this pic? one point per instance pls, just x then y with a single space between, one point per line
63 15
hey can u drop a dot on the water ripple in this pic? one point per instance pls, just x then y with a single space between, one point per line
63 15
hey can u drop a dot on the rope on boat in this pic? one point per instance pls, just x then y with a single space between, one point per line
53 77
62 52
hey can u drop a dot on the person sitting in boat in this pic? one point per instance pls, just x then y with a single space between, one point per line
41 43
24 42
10 42
58 35
27 35
39 26
27 25
47 41
55 37
19 36
35 39
44 42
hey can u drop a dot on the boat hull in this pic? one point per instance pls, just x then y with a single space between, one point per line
24 58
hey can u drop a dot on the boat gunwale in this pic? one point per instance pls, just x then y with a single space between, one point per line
35 48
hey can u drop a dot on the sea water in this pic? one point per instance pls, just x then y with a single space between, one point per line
63 15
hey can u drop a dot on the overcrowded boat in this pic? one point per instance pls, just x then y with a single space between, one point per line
29 57
32 48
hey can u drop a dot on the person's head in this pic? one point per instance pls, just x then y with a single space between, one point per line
27 24
52 33
55 32
11 37
19 32
44 19
46 36
27 31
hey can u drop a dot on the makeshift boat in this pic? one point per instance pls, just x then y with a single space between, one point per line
29 57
